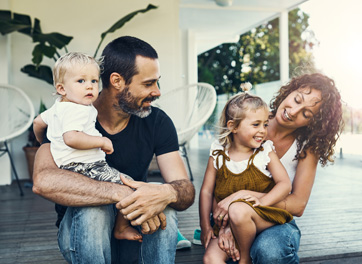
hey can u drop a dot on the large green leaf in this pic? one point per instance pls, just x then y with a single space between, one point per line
40 50
120 23
55 39
41 72
21 23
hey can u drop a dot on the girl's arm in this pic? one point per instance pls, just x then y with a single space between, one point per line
296 202
205 202
39 127
81 140
282 186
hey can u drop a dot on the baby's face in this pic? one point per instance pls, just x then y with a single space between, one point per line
81 84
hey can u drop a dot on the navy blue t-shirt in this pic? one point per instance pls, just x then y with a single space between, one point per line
135 146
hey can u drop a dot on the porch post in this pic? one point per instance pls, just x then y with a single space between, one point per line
284 47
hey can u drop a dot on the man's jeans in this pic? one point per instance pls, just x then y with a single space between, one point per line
278 244
86 236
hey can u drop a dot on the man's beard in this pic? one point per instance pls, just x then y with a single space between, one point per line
128 104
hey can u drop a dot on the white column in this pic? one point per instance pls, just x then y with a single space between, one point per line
5 54
284 47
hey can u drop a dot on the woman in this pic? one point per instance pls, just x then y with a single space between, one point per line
305 123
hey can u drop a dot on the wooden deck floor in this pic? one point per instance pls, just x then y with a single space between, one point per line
331 226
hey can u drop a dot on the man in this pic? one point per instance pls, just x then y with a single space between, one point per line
138 131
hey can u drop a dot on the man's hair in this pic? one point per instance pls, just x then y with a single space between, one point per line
120 56
67 62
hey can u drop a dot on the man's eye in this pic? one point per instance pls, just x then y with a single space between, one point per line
149 84
81 81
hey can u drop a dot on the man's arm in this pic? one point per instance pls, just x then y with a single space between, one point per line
151 199
174 173
69 188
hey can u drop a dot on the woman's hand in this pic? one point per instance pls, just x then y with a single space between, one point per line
227 243
206 235
220 212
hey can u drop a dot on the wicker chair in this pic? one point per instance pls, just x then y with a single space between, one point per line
189 107
17 114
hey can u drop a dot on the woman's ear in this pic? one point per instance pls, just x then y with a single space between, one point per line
117 81
60 89
231 126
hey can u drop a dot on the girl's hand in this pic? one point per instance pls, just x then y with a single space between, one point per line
107 145
227 243
206 235
250 198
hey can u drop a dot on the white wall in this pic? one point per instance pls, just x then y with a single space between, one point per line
85 20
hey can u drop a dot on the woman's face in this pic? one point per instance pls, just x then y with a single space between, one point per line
298 108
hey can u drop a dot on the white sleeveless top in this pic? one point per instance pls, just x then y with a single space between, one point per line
288 161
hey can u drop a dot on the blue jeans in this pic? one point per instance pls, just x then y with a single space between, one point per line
278 244
86 236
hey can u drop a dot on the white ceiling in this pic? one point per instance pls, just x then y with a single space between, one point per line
213 24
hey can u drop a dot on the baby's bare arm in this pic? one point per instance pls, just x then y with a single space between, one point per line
39 127
81 140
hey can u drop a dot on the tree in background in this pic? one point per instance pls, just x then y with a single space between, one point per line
255 57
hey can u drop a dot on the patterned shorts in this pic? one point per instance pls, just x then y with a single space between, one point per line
98 170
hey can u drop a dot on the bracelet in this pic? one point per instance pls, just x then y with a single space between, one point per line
285 204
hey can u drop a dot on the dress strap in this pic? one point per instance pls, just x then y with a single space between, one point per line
251 159
220 152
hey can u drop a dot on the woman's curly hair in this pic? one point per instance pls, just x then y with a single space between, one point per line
322 132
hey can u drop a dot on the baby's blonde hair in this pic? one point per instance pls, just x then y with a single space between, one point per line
67 62
235 110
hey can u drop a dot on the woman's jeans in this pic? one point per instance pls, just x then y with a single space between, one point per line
278 244
86 236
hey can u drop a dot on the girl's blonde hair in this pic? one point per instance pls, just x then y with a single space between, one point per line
235 110
68 61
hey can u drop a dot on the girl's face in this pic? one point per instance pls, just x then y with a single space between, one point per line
298 108
251 131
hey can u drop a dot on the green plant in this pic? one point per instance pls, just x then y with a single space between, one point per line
51 44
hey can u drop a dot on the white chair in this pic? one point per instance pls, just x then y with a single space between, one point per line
189 107
17 114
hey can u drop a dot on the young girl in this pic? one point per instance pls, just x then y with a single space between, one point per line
76 144
240 159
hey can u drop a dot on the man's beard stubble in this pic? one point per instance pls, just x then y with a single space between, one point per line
128 104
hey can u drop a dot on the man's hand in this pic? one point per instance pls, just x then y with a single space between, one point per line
147 201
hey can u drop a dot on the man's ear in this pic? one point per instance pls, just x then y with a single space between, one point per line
117 81
60 89
231 126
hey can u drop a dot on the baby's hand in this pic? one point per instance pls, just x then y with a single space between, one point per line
107 146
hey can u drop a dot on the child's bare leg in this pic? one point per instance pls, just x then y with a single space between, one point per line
245 223
123 229
214 254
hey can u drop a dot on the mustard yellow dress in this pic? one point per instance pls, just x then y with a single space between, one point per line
252 178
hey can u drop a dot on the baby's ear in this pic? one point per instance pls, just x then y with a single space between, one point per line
60 89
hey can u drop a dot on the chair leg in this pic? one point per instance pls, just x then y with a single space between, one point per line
13 167
184 154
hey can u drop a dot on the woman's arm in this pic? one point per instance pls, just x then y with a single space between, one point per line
296 202
69 188
282 186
